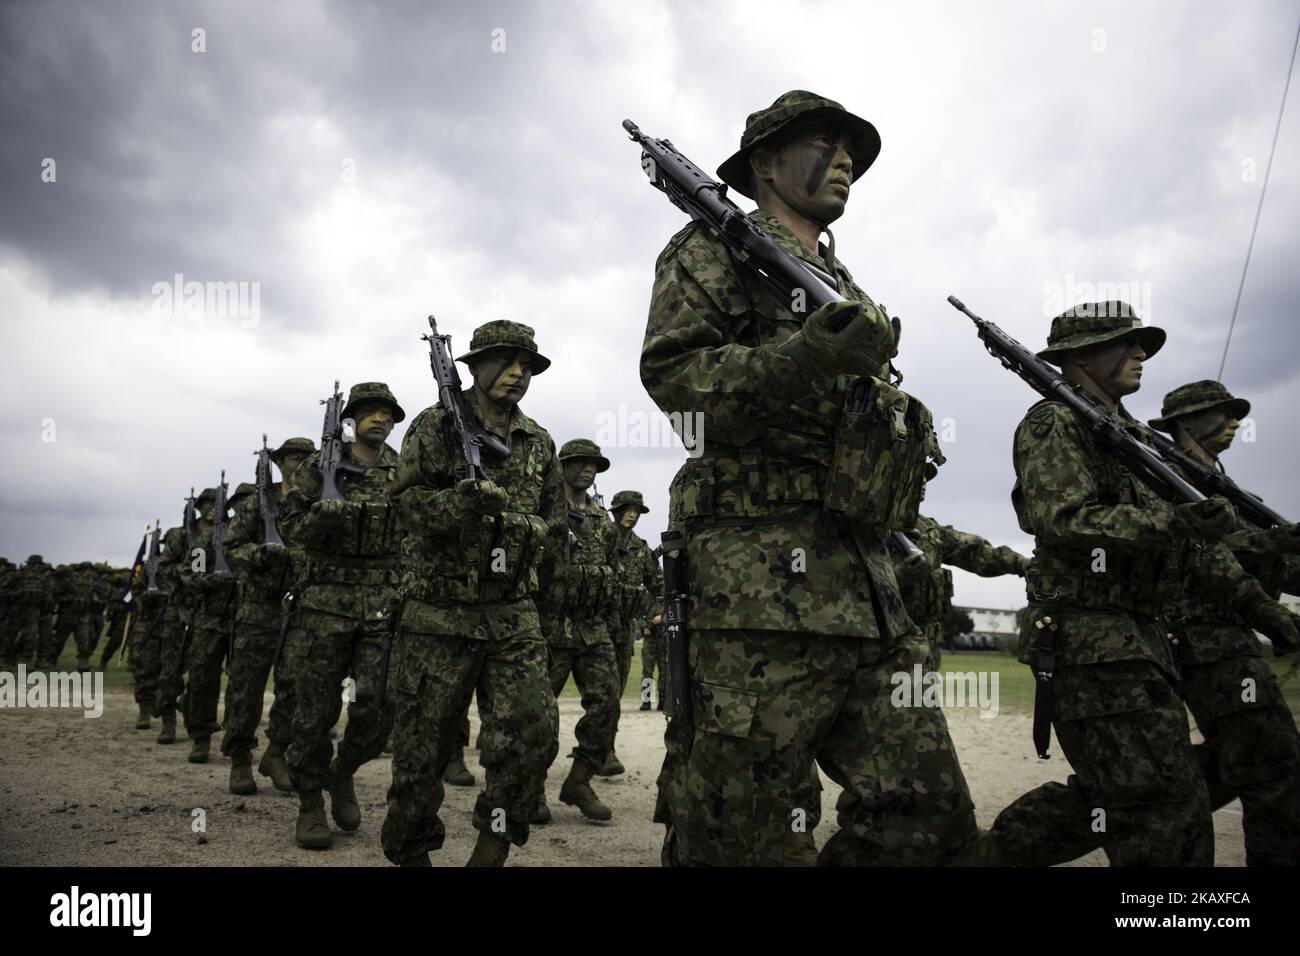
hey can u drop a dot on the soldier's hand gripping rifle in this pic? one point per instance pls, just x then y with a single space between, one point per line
474 439
267 504
1141 459
334 460
704 199
674 622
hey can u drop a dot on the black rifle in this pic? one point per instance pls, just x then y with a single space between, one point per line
1141 459
127 596
185 644
474 439
390 631
704 199
191 532
220 565
267 503
151 567
679 680
1213 482
286 615
334 461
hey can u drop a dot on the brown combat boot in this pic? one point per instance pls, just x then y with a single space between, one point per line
273 765
168 733
199 752
613 766
457 774
577 792
143 720
490 850
343 797
241 774
313 830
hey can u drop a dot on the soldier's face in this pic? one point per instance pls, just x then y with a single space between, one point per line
811 171
1116 366
290 462
1213 429
503 375
628 517
579 473
374 423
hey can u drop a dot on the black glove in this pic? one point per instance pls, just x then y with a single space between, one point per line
1277 624
1207 520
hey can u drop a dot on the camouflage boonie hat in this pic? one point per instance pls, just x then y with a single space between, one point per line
797 105
584 448
244 489
35 559
207 494
1092 323
502 333
625 498
1197 397
372 392
304 445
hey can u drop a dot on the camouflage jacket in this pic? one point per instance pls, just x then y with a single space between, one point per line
464 573
72 587
263 578
349 564
640 579
215 593
762 553
590 601
1108 554
927 585
36 586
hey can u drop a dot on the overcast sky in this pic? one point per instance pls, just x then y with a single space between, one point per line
358 166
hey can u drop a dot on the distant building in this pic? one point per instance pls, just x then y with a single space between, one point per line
994 627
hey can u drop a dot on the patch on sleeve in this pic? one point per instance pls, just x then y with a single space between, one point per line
1041 421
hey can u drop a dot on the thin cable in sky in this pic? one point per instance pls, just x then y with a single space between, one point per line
1260 208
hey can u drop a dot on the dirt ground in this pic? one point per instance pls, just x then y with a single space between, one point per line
96 792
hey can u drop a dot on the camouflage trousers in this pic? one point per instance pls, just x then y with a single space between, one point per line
209 644
250 668
435 677
624 639
766 705
29 628
595 670
1137 790
114 635
145 651
81 625
171 669
321 650
654 660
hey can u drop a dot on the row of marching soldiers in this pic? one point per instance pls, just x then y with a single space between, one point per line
410 588
41 606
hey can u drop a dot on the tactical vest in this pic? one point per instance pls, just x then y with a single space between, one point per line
590 583
1152 583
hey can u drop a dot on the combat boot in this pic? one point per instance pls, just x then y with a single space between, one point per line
577 792
199 752
313 830
541 812
490 850
168 733
273 765
613 766
343 797
457 774
241 774
143 720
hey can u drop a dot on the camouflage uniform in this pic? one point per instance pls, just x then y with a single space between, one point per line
112 583
654 646
1110 566
80 615
640 586
8 585
581 639
795 620
927 585
343 600
209 640
30 625
166 612
470 622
